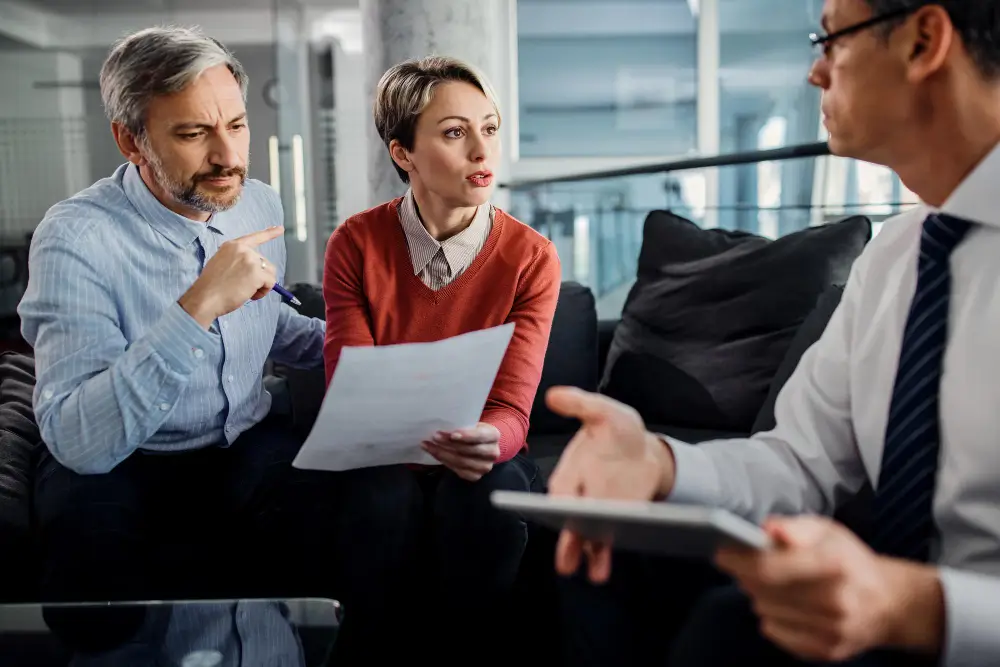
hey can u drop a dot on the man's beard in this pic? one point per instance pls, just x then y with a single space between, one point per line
189 193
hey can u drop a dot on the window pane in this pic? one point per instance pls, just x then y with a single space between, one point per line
606 77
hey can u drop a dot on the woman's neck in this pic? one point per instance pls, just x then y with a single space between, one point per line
441 220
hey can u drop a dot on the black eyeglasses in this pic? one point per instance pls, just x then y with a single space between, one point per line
825 40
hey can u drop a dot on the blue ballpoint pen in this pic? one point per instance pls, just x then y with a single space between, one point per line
286 294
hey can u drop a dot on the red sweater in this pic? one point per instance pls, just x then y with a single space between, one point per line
373 298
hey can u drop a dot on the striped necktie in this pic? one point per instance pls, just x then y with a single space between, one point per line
903 503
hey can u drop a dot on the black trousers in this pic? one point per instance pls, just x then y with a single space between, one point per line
634 618
212 523
675 613
425 564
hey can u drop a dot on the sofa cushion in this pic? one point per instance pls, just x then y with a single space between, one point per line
304 388
571 356
712 313
19 444
19 438
546 449
808 333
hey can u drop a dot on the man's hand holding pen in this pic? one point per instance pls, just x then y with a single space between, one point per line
235 274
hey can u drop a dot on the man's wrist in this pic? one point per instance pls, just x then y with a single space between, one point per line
664 457
198 308
916 615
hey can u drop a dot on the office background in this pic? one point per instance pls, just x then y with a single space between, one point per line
586 85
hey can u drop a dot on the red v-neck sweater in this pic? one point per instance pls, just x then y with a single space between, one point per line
373 298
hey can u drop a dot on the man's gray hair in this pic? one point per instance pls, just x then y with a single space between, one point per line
158 61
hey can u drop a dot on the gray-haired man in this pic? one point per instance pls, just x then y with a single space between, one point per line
151 314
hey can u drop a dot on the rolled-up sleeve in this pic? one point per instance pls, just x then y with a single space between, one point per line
97 398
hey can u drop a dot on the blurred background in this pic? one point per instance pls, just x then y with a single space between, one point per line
587 87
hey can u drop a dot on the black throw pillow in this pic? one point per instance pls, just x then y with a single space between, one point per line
712 314
808 333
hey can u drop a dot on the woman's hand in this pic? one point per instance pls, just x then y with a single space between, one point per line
470 453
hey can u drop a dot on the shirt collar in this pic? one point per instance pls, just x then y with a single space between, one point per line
423 246
975 198
176 228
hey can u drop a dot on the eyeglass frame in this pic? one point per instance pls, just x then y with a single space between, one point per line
822 40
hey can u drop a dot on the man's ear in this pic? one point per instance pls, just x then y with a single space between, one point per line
400 156
128 145
931 40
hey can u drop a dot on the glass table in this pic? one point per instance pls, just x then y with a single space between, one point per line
194 633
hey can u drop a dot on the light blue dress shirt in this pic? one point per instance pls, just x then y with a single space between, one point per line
120 365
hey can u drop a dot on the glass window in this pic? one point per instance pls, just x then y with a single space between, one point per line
606 77
772 135
766 101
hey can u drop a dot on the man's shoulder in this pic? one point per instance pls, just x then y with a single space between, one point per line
88 216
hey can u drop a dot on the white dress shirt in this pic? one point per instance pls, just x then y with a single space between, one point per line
831 415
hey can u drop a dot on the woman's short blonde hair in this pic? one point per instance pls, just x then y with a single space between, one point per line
407 88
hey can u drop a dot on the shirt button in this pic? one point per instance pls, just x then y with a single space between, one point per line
198 353
232 379
222 324
164 406
47 394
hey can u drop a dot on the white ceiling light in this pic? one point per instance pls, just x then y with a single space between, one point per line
693 6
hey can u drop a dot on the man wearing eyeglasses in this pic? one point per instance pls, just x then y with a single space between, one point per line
902 391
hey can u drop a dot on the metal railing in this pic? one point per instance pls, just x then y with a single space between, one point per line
798 151
598 231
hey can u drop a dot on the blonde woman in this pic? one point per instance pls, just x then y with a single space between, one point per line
438 262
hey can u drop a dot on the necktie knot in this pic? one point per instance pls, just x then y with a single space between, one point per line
941 234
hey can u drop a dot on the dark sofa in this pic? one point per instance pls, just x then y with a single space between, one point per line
764 337
576 357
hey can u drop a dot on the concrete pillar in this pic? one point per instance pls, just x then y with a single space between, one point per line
476 31
709 131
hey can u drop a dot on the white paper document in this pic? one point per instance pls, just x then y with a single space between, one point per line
383 401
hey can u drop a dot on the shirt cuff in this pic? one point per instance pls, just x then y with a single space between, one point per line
179 340
971 608
696 481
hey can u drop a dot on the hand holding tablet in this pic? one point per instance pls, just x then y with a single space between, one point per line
601 492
